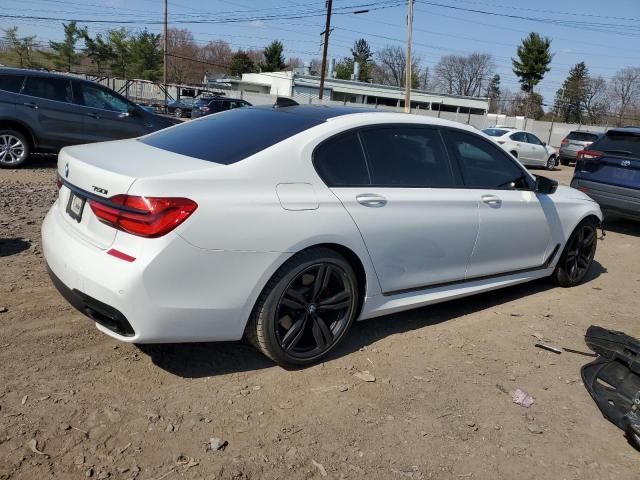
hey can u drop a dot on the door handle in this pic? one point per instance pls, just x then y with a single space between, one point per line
492 200
371 200
94 115
31 105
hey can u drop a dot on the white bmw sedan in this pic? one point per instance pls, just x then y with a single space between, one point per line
286 224
525 146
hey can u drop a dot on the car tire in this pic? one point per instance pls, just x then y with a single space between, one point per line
577 256
14 148
286 325
551 163
564 162
178 112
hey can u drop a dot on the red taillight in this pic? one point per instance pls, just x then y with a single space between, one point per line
143 216
588 155
58 181
565 141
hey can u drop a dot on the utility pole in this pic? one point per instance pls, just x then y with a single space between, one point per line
407 92
326 32
166 42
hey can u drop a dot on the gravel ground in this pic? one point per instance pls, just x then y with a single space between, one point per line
75 403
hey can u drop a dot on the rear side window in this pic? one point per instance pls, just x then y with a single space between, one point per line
519 137
58 89
619 143
407 157
230 136
340 162
582 137
483 164
11 83
495 132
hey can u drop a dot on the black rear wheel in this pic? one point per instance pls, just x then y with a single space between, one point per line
577 257
305 309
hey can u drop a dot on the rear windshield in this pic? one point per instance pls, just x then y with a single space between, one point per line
231 136
202 102
625 144
495 132
582 136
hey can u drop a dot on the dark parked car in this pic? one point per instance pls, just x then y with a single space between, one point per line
180 108
609 172
208 105
43 112
574 142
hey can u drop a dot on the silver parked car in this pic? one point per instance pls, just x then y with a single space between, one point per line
574 142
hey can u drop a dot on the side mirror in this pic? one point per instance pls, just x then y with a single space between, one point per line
545 186
544 144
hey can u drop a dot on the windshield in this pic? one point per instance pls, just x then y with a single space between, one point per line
495 132
203 102
582 136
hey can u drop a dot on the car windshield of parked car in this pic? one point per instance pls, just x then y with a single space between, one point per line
231 136
619 143
582 136
495 132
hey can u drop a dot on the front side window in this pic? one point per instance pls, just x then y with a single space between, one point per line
11 83
483 164
97 97
407 157
519 137
58 89
340 162
533 139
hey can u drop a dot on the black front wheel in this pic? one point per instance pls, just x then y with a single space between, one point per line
577 257
305 309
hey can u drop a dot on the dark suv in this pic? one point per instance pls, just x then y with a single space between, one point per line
609 172
208 105
43 112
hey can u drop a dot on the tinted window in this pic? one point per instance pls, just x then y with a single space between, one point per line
203 102
483 164
58 89
11 83
533 139
519 137
98 97
582 136
231 136
495 132
619 143
340 161
405 156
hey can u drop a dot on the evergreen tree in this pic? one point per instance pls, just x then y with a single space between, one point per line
571 97
63 53
21 47
273 57
98 50
119 44
493 92
534 57
146 56
361 53
241 63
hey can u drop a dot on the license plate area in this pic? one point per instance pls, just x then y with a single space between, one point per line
75 206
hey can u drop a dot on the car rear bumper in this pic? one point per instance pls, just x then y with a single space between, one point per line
612 199
173 292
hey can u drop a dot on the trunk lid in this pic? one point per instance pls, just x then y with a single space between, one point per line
102 170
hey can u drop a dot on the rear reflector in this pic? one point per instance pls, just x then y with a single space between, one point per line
120 255
583 189
565 141
143 216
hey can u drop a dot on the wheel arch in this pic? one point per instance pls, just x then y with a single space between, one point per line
22 128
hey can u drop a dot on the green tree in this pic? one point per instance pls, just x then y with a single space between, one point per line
273 57
98 50
146 56
21 47
120 46
571 97
494 92
361 53
534 57
344 68
63 54
241 63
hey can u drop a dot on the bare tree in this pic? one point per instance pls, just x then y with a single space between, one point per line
596 99
218 56
182 53
624 89
460 75
390 67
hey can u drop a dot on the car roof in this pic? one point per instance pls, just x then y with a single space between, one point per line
38 73
630 129
592 132
320 113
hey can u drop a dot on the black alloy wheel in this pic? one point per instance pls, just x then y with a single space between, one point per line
305 309
577 258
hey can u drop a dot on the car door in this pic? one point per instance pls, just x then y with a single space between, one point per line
521 146
403 193
514 232
107 115
10 87
538 150
47 106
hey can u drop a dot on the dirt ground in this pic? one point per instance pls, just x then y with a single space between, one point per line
439 406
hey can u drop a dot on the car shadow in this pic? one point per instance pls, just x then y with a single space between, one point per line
39 161
622 225
197 360
12 246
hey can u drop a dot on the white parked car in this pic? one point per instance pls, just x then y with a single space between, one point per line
525 146
286 224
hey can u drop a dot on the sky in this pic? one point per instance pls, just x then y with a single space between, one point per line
603 34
